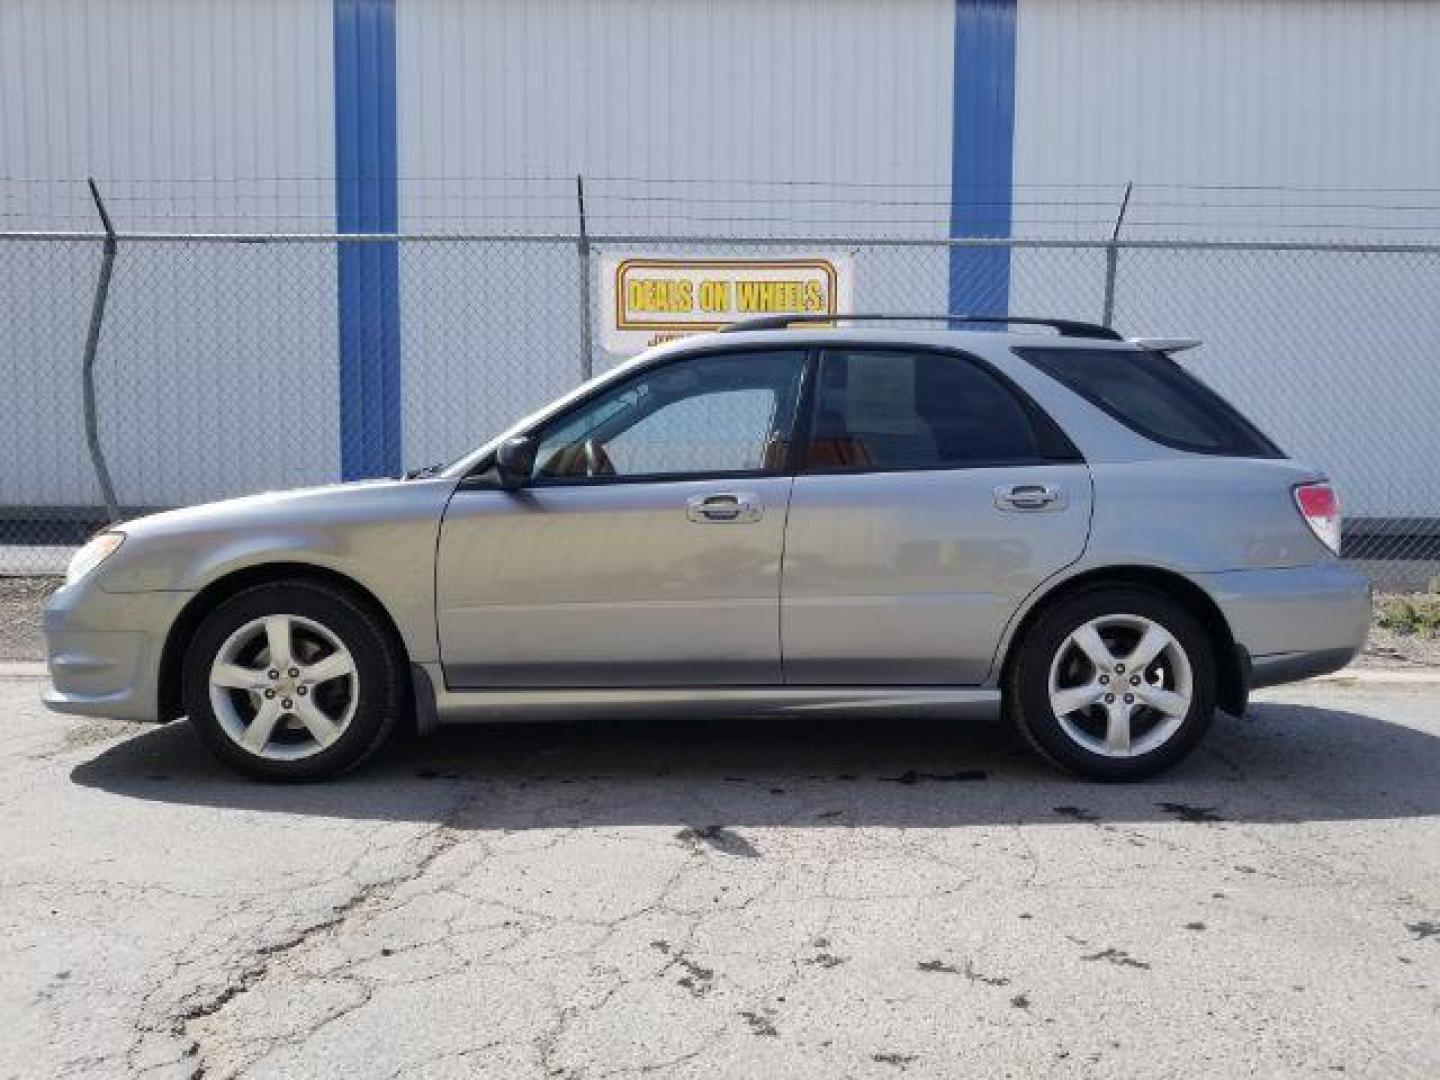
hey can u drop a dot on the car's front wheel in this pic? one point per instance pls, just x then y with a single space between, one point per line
1114 683
293 680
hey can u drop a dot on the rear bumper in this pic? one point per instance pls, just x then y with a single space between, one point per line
1280 668
103 650
1294 623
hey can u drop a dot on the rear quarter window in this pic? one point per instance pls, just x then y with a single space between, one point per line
1152 395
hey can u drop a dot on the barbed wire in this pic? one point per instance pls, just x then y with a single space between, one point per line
542 201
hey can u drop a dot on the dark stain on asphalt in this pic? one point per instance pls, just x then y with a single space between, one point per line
760 1024
939 967
898 1060
1118 957
1076 813
825 960
1195 815
696 979
1423 929
988 980
726 841
910 776
1020 1001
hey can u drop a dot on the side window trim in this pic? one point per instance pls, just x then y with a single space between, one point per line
558 420
1055 446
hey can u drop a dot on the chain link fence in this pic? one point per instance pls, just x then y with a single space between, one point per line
217 369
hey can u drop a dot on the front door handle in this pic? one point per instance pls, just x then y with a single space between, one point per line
1029 497
724 508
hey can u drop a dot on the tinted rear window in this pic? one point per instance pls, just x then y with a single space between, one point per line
1149 393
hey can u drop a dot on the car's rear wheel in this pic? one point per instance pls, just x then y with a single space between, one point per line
1114 683
293 680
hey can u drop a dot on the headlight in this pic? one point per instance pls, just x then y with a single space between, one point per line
100 547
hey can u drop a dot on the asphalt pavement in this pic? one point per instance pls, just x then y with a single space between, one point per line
728 899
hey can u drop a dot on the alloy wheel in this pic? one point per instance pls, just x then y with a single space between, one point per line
1120 685
283 687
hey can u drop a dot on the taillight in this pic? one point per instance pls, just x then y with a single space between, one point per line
1320 507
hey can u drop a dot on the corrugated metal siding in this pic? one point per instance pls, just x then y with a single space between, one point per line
217 368
231 102
744 90
1330 93
219 114
1306 94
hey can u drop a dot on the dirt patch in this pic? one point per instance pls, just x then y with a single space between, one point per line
21 600
1405 632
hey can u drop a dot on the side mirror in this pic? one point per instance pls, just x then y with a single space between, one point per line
515 461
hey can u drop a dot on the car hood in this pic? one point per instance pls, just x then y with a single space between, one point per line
329 502
381 533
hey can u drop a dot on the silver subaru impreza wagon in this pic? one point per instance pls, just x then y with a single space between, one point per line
788 517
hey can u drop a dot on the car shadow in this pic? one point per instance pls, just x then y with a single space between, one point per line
1280 763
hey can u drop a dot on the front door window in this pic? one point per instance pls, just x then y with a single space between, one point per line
726 414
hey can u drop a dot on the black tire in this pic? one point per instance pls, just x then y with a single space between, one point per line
1027 685
382 676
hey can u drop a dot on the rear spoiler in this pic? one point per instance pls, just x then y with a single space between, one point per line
1162 344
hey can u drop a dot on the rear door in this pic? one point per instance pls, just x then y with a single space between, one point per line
932 498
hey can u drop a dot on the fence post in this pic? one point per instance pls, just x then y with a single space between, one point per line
582 251
92 345
1112 257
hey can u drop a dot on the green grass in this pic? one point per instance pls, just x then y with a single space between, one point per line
1417 614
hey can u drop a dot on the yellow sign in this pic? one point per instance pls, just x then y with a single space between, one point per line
645 301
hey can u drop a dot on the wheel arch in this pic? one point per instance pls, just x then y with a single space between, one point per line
1233 690
216 592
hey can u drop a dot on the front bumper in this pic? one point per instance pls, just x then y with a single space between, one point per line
1297 622
104 650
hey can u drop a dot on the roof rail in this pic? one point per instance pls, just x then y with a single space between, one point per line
1063 327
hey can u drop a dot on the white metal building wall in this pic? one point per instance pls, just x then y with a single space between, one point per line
1333 93
230 105
1308 94
224 112
745 90
201 93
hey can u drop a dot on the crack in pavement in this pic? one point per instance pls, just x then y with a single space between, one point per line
257 963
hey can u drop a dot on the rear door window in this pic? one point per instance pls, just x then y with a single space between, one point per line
1152 395
891 410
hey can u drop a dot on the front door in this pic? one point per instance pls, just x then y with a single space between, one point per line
645 551
932 499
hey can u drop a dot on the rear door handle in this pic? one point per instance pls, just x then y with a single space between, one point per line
1029 497
724 508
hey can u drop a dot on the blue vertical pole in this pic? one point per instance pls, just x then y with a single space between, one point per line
367 201
982 153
